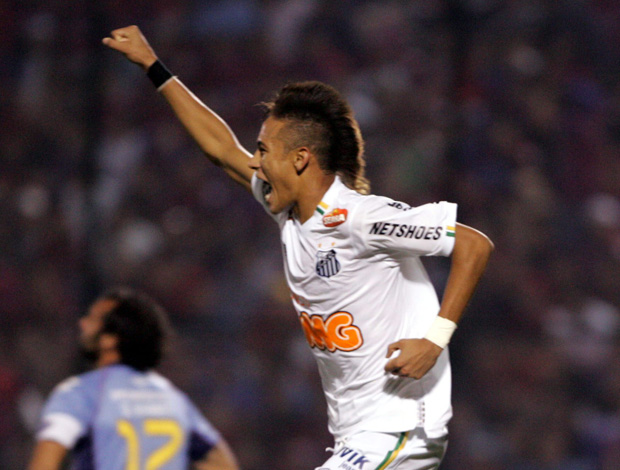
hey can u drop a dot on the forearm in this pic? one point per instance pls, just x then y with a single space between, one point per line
220 457
469 259
211 133
47 455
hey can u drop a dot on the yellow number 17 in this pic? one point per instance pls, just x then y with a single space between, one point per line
151 427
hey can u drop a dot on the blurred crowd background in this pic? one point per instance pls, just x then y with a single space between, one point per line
511 108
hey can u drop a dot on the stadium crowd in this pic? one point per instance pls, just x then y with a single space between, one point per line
511 108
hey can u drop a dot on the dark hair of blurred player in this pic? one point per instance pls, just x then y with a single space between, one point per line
139 324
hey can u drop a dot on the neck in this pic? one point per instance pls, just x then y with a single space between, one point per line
108 358
313 191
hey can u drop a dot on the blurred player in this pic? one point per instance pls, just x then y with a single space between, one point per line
123 415
352 262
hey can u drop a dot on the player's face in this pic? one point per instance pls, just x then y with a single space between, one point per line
274 164
91 324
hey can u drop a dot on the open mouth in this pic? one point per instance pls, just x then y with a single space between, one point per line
266 191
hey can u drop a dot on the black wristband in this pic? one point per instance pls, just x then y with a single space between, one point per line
158 74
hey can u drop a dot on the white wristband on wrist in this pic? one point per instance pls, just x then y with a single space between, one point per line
441 331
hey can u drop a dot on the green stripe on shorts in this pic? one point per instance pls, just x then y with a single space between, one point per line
391 455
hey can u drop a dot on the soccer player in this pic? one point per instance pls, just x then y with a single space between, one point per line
352 261
123 415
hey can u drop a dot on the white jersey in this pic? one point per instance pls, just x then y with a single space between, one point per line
358 285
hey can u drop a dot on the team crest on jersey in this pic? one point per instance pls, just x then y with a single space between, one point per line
335 217
326 263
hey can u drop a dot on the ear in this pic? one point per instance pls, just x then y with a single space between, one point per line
108 342
108 350
302 159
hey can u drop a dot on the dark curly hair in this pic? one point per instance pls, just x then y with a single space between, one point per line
318 117
140 324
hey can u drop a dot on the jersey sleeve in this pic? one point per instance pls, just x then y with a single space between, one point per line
203 436
66 414
384 225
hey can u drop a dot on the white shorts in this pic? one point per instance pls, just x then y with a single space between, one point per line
367 450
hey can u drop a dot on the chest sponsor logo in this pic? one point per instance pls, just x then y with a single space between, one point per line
419 232
335 217
326 263
337 332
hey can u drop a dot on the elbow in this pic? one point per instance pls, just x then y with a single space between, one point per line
472 245
483 247
489 246
474 238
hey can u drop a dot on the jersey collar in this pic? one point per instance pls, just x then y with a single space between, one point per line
330 196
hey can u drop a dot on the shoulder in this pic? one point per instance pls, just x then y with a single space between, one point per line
364 207
77 389
77 383
69 410
368 201
373 206
70 384
162 383
71 403
166 387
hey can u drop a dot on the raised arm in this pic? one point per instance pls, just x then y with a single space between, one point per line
212 134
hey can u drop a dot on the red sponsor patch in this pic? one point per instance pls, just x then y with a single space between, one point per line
335 217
